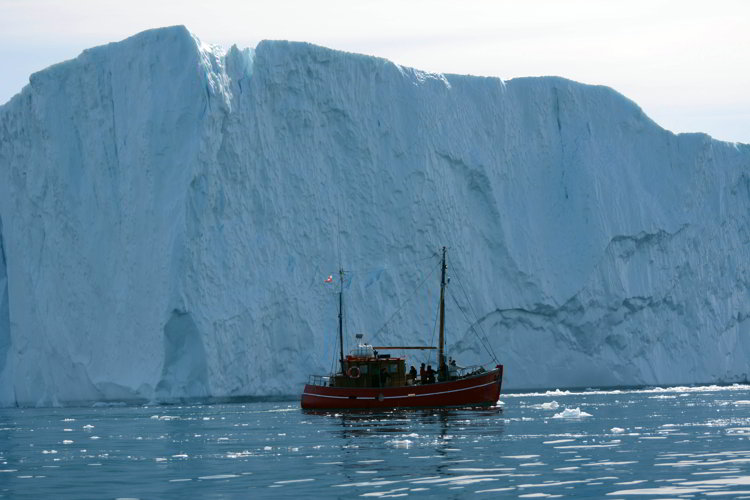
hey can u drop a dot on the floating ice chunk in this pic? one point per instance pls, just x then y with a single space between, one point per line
88 426
399 443
67 441
617 430
742 402
572 413
552 405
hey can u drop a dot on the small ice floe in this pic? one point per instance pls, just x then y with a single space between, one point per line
399 443
617 430
571 413
742 402
292 481
551 405
267 448
88 426
218 476
67 441
164 417
69 420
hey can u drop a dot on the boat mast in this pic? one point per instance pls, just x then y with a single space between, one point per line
341 318
441 352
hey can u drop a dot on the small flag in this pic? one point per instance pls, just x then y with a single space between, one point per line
329 279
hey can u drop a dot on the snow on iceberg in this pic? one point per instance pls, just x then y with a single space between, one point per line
168 208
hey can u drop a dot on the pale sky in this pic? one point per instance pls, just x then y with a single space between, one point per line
686 63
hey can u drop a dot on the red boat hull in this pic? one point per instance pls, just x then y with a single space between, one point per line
478 390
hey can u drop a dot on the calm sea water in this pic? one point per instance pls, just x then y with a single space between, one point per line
687 442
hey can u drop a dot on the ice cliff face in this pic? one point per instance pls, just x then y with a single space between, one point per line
168 213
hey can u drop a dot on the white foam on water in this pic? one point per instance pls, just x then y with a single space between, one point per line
520 457
218 476
291 481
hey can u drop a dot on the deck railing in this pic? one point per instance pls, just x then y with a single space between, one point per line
466 371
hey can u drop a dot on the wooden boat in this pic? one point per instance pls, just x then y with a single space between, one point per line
369 378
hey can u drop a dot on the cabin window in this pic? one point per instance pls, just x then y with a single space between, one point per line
393 368
363 369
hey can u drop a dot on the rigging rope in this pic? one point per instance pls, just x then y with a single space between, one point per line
404 302
490 351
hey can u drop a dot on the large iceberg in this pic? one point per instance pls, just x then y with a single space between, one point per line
169 212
